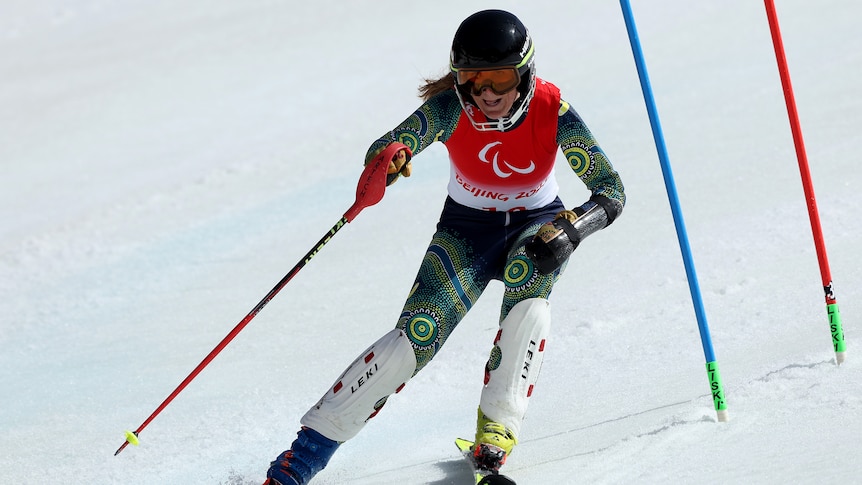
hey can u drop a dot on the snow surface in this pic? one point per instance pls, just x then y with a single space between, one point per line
165 163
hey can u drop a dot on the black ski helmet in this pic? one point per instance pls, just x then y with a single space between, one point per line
491 39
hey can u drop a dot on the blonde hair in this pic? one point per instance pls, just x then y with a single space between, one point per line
432 87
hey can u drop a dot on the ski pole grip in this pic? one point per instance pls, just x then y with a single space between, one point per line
372 182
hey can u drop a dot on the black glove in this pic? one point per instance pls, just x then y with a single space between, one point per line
553 243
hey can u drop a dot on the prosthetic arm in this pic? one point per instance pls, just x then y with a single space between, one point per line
557 240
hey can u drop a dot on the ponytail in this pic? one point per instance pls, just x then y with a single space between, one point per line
433 87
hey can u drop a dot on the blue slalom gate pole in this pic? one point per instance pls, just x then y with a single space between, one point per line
713 374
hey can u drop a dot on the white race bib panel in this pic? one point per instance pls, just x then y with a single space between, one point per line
485 197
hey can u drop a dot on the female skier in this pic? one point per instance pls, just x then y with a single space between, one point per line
502 220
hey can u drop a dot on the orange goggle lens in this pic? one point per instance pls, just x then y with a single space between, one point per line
501 81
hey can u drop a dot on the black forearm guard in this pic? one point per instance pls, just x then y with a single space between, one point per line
597 213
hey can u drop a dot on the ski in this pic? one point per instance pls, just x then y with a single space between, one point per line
483 477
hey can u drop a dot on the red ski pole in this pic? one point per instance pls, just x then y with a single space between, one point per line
369 191
834 315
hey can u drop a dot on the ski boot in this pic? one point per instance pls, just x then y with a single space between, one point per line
494 442
308 454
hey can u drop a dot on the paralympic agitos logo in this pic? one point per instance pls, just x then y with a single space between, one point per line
502 169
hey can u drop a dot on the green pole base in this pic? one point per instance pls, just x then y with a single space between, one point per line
717 389
837 330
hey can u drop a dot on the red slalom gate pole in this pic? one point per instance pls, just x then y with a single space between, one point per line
369 191
835 327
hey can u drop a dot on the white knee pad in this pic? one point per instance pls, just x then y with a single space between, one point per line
515 363
362 389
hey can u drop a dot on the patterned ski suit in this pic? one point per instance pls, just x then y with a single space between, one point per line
502 188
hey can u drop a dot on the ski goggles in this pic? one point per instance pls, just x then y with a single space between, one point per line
501 81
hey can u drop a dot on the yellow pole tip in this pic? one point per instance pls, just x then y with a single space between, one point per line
132 438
